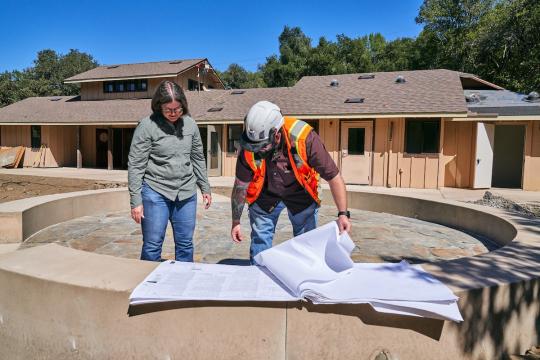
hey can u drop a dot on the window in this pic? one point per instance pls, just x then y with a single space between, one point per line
35 133
193 85
422 136
234 132
356 141
125 86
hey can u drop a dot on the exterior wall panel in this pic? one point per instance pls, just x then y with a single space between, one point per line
531 168
458 153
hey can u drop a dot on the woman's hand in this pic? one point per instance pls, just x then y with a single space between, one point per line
207 200
137 214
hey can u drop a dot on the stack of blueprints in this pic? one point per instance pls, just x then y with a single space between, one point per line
315 266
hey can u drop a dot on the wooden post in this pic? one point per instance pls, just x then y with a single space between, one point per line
79 154
110 149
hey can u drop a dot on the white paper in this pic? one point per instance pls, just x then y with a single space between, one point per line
315 266
194 281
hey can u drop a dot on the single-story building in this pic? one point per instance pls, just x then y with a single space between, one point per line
421 129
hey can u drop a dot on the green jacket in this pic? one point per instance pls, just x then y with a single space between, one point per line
170 165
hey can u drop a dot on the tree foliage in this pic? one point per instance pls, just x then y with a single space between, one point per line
46 77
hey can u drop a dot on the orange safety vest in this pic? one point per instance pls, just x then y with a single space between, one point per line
296 132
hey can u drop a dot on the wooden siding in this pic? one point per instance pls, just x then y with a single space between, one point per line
458 153
393 167
60 140
228 160
94 91
531 166
329 133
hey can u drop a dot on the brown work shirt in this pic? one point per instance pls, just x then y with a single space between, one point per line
280 184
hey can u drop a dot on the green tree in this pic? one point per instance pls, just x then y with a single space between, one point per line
236 77
452 23
291 65
46 77
507 45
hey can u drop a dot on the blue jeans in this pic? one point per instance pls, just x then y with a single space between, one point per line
158 211
263 225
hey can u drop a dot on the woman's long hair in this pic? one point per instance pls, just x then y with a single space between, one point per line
166 92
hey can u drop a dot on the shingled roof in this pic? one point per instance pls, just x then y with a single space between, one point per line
140 70
426 92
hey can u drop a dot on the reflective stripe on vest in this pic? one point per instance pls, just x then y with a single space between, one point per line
296 132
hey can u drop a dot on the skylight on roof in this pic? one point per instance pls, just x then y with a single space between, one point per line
366 76
56 99
237 92
215 109
112 66
354 101
176 62
400 79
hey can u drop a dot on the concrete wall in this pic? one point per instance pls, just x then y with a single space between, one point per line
69 304
23 218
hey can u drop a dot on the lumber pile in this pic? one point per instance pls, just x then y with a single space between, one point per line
41 157
11 157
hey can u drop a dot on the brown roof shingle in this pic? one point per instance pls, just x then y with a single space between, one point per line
424 92
149 69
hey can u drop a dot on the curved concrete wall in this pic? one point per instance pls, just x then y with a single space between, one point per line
58 302
23 218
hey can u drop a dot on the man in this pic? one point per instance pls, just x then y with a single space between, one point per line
279 166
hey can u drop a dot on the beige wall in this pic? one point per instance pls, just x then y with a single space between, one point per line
393 167
61 141
94 91
228 159
458 153
531 166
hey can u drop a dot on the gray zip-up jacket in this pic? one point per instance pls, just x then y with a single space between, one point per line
171 165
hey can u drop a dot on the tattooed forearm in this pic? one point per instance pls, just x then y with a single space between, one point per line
238 198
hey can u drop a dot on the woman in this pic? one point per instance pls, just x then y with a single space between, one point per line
166 164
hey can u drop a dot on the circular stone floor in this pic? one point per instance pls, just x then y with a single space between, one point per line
379 237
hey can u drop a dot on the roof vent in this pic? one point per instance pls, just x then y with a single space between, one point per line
112 66
56 99
176 62
354 101
400 79
215 109
366 76
237 92
532 97
334 83
472 98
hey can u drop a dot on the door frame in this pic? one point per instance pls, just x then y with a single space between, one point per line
362 123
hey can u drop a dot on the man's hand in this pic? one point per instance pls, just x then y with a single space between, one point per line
236 233
207 200
344 224
238 199
137 214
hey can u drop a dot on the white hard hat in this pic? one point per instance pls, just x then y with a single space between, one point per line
261 119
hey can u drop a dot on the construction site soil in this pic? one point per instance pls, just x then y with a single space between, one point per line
15 187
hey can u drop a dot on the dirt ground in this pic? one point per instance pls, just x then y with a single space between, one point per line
14 187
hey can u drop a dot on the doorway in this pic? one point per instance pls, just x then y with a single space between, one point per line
508 156
121 144
211 140
102 141
356 151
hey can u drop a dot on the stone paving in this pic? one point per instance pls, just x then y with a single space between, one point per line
379 237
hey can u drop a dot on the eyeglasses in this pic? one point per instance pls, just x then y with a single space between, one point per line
167 110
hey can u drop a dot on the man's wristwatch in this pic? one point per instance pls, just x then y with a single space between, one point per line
347 213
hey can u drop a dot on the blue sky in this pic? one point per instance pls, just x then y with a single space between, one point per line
245 32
